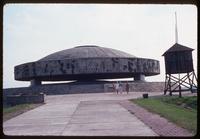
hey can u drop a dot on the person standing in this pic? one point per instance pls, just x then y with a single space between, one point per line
113 85
120 88
127 87
117 87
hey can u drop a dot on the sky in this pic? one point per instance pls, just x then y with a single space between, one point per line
33 31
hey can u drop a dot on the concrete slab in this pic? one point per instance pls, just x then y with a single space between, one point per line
105 119
37 121
54 129
80 114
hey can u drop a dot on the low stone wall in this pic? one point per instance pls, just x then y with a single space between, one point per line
139 87
56 89
24 99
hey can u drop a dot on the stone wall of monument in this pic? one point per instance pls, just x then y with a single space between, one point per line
69 69
139 87
56 89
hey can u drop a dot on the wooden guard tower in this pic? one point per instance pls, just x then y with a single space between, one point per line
180 75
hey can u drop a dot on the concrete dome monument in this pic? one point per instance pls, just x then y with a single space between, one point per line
86 63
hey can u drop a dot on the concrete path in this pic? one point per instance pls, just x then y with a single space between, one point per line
97 114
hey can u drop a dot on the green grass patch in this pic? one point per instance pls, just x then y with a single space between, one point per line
10 112
187 102
172 108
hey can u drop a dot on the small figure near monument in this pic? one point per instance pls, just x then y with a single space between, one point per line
117 87
120 87
113 85
127 87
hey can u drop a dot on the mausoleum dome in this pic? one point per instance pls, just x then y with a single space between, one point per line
87 51
87 62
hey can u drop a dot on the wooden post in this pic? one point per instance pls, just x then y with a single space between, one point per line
170 91
179 86
166 84
180 95
190 82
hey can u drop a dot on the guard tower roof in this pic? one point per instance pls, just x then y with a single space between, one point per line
177 47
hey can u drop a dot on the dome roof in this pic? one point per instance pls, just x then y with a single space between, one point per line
86 63
87 51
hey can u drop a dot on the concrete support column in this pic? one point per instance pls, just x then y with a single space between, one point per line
139 77
35 82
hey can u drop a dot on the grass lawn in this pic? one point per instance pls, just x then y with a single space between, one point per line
182 111
10 112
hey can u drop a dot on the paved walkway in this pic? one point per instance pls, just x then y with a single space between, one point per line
99 114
